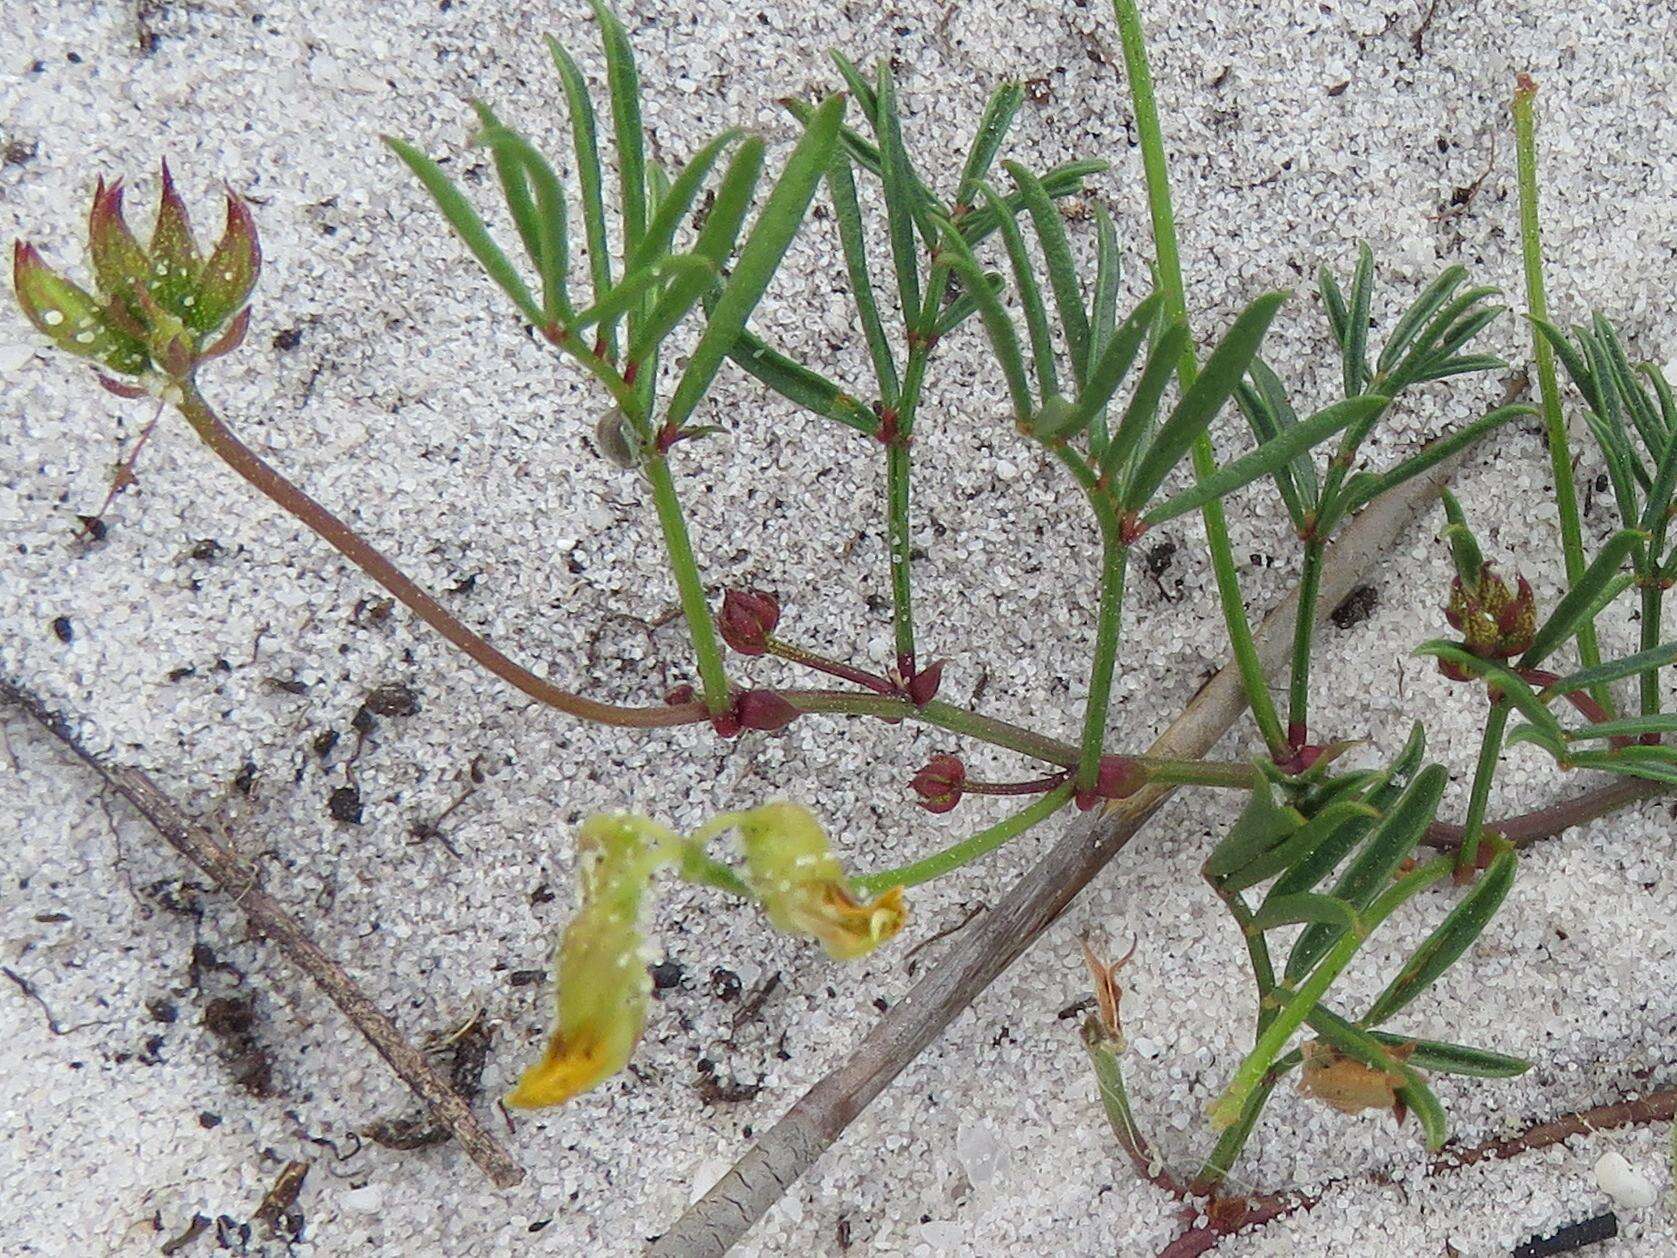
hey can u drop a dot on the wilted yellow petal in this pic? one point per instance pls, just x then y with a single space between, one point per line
793 871
603 984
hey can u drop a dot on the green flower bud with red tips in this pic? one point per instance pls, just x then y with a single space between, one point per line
940 783
1495 622
160 309
748 619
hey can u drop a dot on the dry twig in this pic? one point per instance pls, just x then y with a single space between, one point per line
268 917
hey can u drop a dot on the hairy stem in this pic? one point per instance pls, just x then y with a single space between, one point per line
1554 423
900 545
1490 747
707 649
1170 282
248 464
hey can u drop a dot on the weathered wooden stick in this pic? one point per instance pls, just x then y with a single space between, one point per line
268 917
987 947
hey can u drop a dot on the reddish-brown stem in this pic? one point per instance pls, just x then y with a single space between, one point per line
1036 786
1232 1214
1544 823
247 463
823 664
1586 703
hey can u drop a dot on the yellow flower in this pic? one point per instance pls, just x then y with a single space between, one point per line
793 871
602 978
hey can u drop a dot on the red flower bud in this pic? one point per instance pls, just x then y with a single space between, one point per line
923 686
939 784
765 710
748 618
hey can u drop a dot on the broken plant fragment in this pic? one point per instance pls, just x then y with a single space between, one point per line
602 978
1351 1086
790 867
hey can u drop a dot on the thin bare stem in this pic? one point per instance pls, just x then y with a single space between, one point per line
247 463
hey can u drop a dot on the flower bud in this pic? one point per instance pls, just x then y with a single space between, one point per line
764 710
748 619
939 784
1495 622
923 686
161 307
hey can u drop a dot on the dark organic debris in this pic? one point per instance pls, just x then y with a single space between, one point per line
1356 607
279 1208
714 1090
232 1021
345 805
1573 1236
393 699
468 1052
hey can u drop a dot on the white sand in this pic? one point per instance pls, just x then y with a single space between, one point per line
415 404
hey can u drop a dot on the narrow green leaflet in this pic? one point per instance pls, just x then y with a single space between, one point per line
1364 487
624 87
1062 269
1004 341
1569 613
1128 441
1103 303
801 386
634 287
1109 372
1423 309
675 203
759 257
1359 1045
1306 906
1454 935
841 182
902 197
466 223
584 134
1267 458
1223 370
545 234
1030 296
1262 824
1441 1058
993 126
1300 846
1510 687
1389 843
1355 365
1613 670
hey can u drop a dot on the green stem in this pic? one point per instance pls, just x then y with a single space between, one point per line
980 844
1304 631
1234 1137
1115 557
1537 302
1103 1048
901 547
1257 950
707 650
1231 1106
1146 108
1490 746
1652 600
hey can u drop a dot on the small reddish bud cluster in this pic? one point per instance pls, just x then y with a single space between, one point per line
748 620
164 307
922 686
1495 622
1119 778
940 783
750 709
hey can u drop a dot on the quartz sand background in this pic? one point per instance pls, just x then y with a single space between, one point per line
386 376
